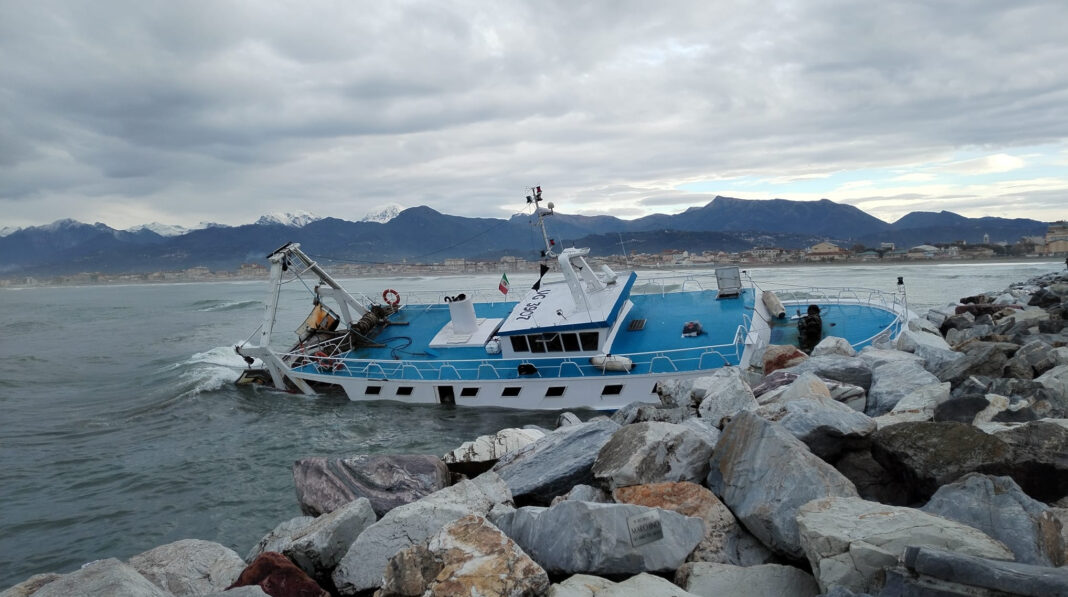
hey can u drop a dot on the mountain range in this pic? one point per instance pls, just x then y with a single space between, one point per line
421 234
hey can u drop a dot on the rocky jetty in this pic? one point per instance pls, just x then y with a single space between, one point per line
936 464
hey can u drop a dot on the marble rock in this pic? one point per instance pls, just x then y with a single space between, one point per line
753 461
723 394
103 577
779 356
998 507
363 564
1039 457
467 557
892 381
603 539
388 480
834 345
849 542
584 493
29 586
189 566
639 585
486 450
555 463
643 412
279 536
872 480
936 572
850 370
318 547
653 452
706 578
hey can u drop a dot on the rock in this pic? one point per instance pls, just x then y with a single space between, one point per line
581 537
850 370
318 547
834 345
584 493
908 340
1055 379
103 577
702 427
722 395
278 577
725 540
1039 355
706 578
1039 458
808 412
938 572
961 410
995 404
475 457
998 507
467 557
280 536
872 480
894 381
778 357
653 452
927 455
325 484
876 357
938 315
850 541
249 591
641 585
30 586
918 405
565 419
189 566
555 463
753 462
362 566
919 324
976 332
980 358
643 412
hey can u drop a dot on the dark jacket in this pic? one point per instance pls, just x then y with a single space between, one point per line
809 332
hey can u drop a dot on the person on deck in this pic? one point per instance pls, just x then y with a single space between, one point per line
810 330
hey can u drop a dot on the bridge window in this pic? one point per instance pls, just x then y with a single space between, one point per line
519 344
571 342
588 340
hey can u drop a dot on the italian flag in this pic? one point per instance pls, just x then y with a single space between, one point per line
503 286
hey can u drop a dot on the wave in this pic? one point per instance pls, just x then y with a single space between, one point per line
217 305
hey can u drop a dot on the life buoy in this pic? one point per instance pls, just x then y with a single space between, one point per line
392 297
325 363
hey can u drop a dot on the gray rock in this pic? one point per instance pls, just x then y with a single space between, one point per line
1055 379
705 578
1039 355
980 358
488 449
581 537
642 412
850 370
653 452
919 324
1039 458
753 462
722 395
702 427
919 404
876 357
640 585
189 566
909 340
555 463
246 591
103 577
998 507
872 480
938 315
363 565
943 572
834 345
318 547
976 332
584 493
893 381
567 418
325 484
849 541
29 586
280 536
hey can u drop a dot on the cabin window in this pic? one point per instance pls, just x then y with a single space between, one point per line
469 392
519 344
654 387
571 342
511 391
373 390
588 340
554 391
553 342
537 344
404 391
612 390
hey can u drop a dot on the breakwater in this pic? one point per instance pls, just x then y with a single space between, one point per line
871 472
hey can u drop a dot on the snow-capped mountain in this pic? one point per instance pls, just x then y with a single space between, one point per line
296 219
162 229
384 215
8 230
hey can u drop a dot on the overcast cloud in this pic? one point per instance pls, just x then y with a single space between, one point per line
182 112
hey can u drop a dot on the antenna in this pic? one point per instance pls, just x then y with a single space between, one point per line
542 212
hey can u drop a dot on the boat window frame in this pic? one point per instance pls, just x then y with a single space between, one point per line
372 390
614 389
469 391
511 391
404 390
555 391
590 340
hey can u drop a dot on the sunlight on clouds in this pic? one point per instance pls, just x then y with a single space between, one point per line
991 164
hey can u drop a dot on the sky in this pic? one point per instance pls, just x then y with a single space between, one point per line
135 111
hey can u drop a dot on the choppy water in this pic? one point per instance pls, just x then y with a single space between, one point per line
120 429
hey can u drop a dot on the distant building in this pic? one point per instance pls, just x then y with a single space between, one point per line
886 246
825 252
1056 239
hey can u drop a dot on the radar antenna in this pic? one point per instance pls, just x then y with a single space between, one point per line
542 212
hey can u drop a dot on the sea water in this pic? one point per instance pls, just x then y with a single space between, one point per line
121 429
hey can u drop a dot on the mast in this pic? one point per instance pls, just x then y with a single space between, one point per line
542 213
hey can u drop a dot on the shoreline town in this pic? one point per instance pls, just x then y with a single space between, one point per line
931 465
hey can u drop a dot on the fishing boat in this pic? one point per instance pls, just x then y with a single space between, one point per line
580 337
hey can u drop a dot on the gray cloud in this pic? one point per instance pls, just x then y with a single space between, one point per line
223 111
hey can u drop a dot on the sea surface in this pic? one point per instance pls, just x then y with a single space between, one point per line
121 430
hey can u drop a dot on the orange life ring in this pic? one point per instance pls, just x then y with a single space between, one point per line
392 297
325 363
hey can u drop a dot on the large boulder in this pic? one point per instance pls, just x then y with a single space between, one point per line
834 345
387 480
980 358
1055 379
643 412
640 585
706 578
850 370
752 464
555 463
849 542
467 557
476 456
30 586
189 566
1039 457
892 382
779 356
937 572
723 394
604 539
278 577
280 536
725 540
998 507
872 480
918 405
653 452
318 547
926 455
362 566
807 410
103 577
